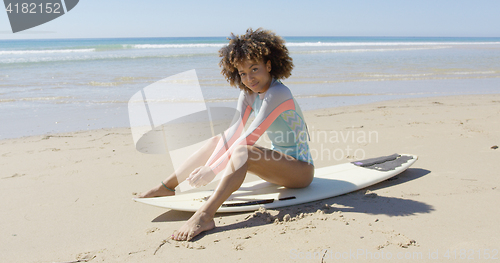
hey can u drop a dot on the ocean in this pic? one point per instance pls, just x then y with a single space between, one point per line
59 85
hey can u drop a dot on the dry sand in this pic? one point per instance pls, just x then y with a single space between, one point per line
68 197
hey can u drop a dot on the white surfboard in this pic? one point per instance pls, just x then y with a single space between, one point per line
328 182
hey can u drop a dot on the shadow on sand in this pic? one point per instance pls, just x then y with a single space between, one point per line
361 201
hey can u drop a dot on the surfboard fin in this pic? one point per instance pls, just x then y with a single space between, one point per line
384 163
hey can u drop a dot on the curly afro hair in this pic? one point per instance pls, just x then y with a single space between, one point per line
258 45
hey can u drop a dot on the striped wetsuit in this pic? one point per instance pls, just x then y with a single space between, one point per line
276 113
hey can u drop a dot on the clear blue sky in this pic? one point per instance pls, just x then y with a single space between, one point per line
164 18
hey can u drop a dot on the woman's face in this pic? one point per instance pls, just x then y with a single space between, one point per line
255 75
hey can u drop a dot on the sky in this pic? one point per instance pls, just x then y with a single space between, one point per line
189 18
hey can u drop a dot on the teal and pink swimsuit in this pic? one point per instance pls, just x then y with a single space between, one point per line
278 114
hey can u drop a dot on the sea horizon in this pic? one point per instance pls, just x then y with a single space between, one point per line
284 36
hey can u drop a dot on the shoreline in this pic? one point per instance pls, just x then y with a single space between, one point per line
67 196
306 112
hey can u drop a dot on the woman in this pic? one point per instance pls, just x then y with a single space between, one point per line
254 62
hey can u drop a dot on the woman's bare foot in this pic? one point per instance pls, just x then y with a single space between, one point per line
198 223
157 191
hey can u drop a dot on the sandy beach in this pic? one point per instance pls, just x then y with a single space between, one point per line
68 197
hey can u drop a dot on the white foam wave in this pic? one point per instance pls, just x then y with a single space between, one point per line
437 74
369 50
219 45
90 57
36 99
24 52
399 75
151 46
308 44
473 72
354 44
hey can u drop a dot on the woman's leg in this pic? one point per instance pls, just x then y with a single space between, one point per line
270 165
199 158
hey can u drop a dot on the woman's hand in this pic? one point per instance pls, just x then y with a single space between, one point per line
201 176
